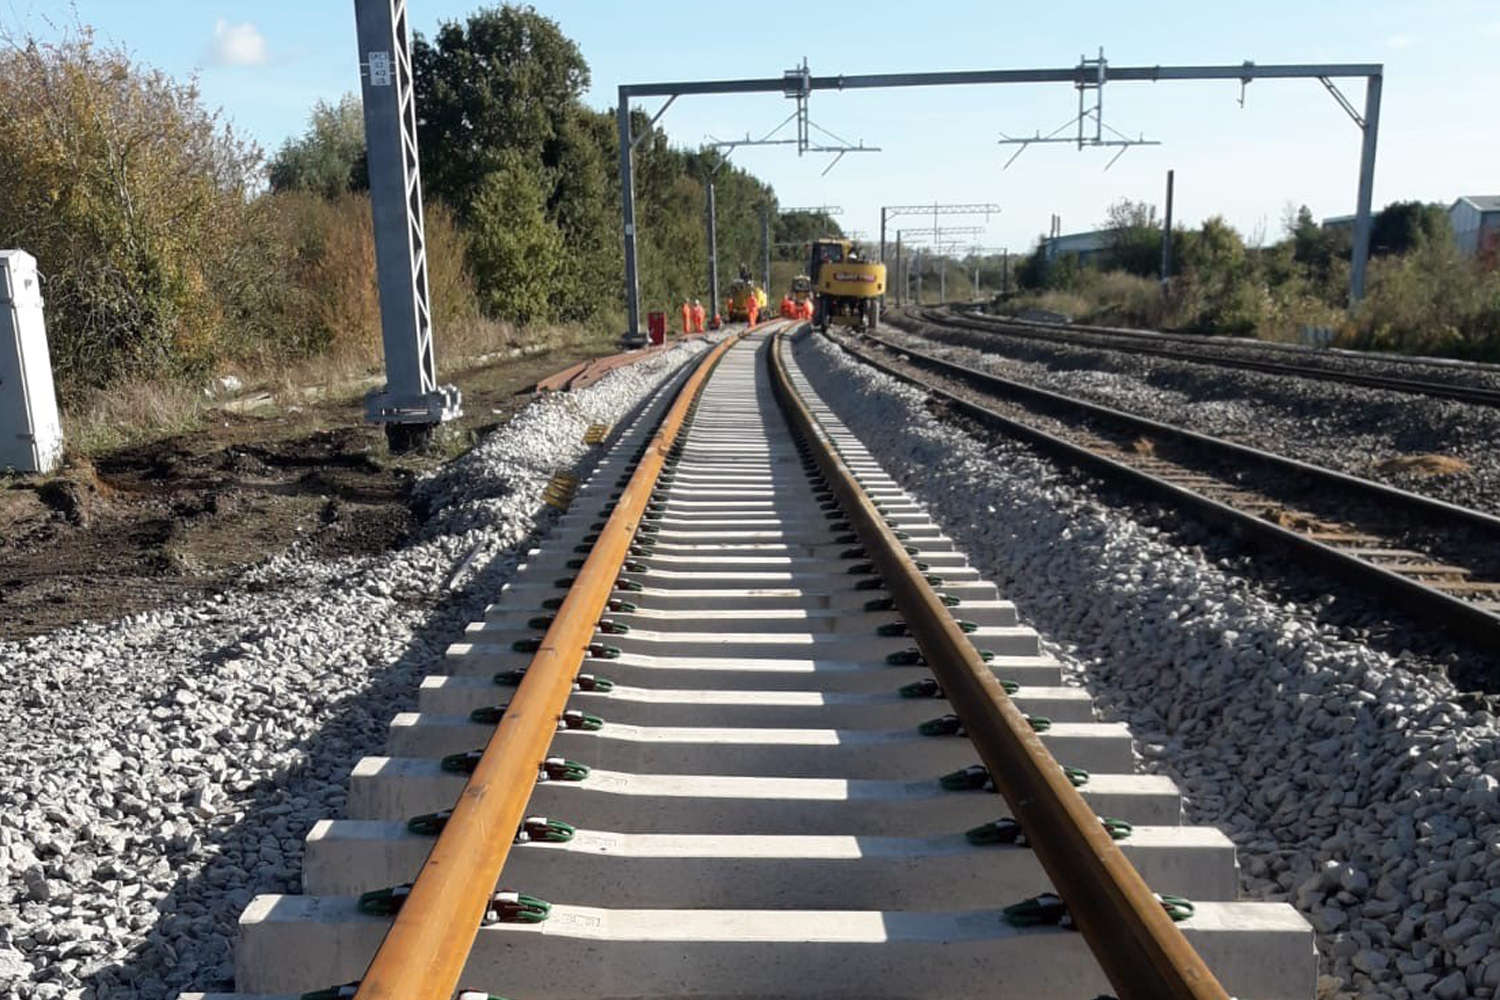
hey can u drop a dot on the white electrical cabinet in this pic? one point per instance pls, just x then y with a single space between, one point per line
30 434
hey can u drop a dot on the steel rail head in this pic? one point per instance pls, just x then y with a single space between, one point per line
1142 952
423 953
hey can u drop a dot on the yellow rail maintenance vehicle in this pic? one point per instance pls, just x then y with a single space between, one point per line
741 293
846 287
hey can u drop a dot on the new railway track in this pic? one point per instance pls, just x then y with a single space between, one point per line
1216 352
735 730
1432 559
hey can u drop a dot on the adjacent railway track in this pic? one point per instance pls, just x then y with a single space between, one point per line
1211 351
1434 559
731 732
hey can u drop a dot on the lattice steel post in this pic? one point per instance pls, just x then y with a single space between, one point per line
412 403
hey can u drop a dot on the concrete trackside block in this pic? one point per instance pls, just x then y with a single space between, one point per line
397 788
290 943
347 857
638 706
900 753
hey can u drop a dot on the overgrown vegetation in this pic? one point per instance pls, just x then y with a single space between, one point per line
172 249
1422 296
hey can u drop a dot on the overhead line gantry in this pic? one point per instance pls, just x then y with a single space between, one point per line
799 83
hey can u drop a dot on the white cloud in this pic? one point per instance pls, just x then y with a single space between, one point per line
237 45
1400 42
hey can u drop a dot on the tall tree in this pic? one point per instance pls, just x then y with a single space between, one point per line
328 158
1133 238
506 79
516 253
1402 225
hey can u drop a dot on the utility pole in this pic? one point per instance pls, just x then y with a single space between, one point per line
713 252
765 246
1166 238
900 274
411 404
919 275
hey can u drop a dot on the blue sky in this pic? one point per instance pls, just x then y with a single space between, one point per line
265 62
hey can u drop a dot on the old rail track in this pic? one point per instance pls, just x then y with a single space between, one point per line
741 715
1434 559
1180 347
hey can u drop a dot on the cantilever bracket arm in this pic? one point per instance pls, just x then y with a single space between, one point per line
654 119
1343 101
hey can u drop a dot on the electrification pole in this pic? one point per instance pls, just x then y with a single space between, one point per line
412 403
765 247
1166 238
713 252
900 275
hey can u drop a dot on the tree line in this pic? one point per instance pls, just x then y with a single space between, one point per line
1422 296
170 244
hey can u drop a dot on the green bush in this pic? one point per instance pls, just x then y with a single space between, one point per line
135 202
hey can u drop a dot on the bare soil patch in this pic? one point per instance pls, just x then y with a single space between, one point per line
149 525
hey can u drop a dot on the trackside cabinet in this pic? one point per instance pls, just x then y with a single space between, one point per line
30 433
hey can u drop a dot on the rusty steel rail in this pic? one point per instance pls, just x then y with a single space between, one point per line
423 954
1144 955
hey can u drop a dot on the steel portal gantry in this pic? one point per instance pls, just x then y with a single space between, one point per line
800 83
412 402
896 211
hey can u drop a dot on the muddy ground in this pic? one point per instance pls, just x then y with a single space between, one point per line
154 524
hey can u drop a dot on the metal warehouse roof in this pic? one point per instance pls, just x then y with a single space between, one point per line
1483 202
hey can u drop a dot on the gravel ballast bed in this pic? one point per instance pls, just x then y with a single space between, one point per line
159 771
1350 428
1353 782
1481 374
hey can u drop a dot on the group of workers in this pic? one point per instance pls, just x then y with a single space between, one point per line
792 309
694 316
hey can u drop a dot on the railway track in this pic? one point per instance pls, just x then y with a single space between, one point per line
1433 558
719 711
1175 347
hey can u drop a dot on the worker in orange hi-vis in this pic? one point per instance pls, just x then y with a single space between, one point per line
751 309
788 307
687 317
698 316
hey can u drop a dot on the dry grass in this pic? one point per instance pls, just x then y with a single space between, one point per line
132 414
1424 465
141 412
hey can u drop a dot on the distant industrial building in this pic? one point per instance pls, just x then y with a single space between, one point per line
1343 224
1089 247
1476 222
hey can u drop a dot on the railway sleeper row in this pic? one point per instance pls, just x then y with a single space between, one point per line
759 813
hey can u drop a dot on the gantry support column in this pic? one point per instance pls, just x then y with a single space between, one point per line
412 403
